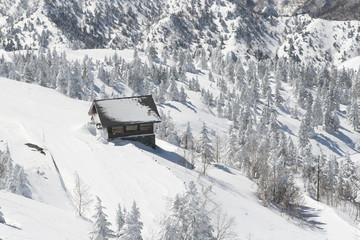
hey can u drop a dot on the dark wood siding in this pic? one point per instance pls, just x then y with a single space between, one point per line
130 130
146 127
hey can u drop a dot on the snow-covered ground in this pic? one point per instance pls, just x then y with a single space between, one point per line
29 219
120 173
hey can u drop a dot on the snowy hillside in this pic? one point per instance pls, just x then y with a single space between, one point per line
120 173
250 30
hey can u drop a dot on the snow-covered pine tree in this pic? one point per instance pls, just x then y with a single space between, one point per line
231 148
329 180
173 93
353 114
218 147
165 55
317 112
201 58
42 71
133 226
239 74
216 61
189 63
306 130
75 87
151 54
187 139
62 80
348 180
188 218
265 84
88 78
12 176
120 219
229 70
28 73
6 167
277 185
18 183
194 84
278 98
211 77
206 151
331 122
166 130
101 226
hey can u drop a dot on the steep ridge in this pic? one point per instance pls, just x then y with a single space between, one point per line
171 25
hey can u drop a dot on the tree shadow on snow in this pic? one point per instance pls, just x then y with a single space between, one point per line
221 167
158 151
285 128
171 156
13 226
186 104
190 106
172 106
284 109
342 137
307 216
330 144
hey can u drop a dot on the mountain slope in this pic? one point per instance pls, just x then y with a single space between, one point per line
29 219
123 172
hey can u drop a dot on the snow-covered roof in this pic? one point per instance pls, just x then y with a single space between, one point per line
122 111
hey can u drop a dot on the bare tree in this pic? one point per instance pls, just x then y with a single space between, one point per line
81 195
223 226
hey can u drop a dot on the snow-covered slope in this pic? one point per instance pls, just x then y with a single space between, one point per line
29 219
120 173
241 26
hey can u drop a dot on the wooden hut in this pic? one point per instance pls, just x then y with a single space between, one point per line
130 118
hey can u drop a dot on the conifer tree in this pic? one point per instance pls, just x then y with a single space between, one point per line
152 54
182 95
353 114
231 148
306 130
133 226
206 151
348 180
187 139
188 218
173 93
88 78
317 112
211 77
120 219
329 179
331 122
75 87
12 176
239 74
62 81
101 226
278 98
